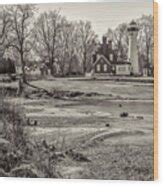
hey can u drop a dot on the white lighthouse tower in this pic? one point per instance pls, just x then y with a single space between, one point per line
133 51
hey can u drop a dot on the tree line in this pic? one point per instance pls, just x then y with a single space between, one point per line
50 37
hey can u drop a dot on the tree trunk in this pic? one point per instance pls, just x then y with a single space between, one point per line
84 64
148 63
70 67
51 68
23 69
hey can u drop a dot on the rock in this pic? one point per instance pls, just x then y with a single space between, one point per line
26 171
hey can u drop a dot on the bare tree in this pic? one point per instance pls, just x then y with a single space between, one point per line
5 25
62 51
87 38
47 29
68 41
120 39
73 47
145 38
19 38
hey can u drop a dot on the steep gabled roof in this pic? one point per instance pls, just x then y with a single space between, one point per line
104 58
133 22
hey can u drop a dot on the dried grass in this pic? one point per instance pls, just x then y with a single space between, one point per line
24 153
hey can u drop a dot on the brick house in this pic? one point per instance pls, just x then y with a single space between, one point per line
102 65
106 61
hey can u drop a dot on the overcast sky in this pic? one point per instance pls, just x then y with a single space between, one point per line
101 15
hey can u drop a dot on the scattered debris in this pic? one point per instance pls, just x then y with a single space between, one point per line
140 117
124 115
77 156
91 94
59 94
107 125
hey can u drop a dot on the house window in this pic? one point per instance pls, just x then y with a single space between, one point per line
105 67
121 69
98 68
111 57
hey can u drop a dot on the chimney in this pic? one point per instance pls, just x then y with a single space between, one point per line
110 44
104 46
104 39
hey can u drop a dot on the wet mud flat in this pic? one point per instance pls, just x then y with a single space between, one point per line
87 119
